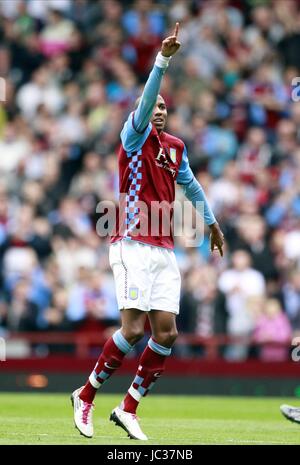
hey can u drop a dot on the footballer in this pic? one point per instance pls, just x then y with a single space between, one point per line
146 274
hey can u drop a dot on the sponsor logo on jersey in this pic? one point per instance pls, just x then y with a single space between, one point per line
162 161
161 154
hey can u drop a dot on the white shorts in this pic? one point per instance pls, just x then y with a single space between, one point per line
146 277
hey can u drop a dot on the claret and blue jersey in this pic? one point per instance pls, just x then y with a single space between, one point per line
149 165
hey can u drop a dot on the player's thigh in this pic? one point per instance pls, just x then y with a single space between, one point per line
165 292
130 262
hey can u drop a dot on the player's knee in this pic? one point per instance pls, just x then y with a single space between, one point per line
167 338
133 334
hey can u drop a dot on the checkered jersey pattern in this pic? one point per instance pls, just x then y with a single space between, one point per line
132 197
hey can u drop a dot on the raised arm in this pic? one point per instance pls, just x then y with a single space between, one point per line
143 113
137 127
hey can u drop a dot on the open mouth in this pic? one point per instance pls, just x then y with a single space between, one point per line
158 120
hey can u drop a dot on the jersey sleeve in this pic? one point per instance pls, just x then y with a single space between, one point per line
193 190
185 174
132 140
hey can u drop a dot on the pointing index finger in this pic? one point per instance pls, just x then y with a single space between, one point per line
176 30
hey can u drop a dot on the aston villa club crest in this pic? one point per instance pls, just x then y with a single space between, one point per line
133 293
173 155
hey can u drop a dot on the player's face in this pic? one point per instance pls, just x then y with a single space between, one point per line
159 115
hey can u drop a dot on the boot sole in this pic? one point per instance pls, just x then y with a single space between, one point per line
289 418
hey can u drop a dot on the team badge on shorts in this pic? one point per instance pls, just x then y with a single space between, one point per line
173 155
133 293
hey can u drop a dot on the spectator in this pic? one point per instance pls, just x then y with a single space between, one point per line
203 309
92 299
56 36
238 284
56 315
273 332
254 155
22 314
291 296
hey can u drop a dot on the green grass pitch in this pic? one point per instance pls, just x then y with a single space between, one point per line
48 419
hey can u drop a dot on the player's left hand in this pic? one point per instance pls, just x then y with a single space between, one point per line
170 45
216 238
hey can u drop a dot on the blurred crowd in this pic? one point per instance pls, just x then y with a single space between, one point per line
73 70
